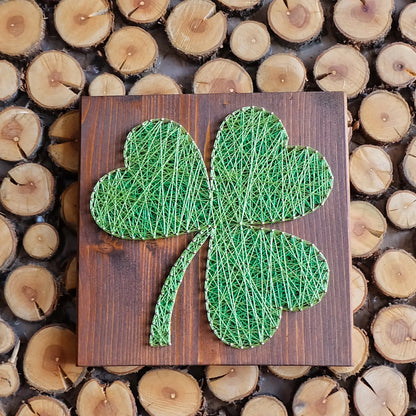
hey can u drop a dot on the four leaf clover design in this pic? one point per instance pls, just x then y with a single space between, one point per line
253 272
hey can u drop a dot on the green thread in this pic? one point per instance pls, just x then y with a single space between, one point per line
252 273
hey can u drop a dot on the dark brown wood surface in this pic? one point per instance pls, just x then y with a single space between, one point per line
120 280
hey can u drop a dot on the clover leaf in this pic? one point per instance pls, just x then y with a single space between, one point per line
253 273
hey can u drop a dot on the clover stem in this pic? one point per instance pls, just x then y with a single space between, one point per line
160 328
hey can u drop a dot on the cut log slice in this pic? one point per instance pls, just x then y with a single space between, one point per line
320 396
106 84
265 406
7 337
43 406
280 73
131 50
41 240
8 245
409 163
49 363
96 399
9 80
196 29
21 27
296 21
396 64
143 11
222 76
289 372
20 133
394 333
122 370
83 23
367 227
385 116
27 190
230 383
9 379
30 292
155 84
371 170
169 392
70 205
71 274
360 351
381 391
342 68
54 80
401 209
359 289
250 41
363 21
239 5
65 135
407 20
394 273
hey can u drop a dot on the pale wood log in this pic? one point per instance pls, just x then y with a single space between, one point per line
20 133
9 379
43 406
407 20
265 406
359 289
41 240
350 125
122 370
239 5
143 11
7 337
9 243
106 84
70 205
409 163
9 80
169 392
394 333
230 383
401 209
155 84
289 372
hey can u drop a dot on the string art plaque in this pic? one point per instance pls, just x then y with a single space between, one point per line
214 229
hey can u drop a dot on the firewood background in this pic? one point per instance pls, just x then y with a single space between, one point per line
37 279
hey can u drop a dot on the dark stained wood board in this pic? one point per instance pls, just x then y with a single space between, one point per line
120 280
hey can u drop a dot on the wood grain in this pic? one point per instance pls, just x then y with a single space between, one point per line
120 280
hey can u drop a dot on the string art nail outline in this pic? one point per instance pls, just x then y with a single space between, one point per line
253 272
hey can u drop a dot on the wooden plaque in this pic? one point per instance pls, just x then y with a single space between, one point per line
120 280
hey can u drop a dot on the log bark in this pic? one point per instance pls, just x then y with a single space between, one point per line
296 21
382 391
196 29
222 76
123 370
164 391
31 293
7 337
71 274
394 273
363 21
407 22
409 163
41 240
83 23
155 84
342 68
43 406
143 11
27 190
394 333
250 41
21 27
367 227
360 352
359 289
320 396
401 209
265 406
54 80
9 80
106 84
70 206
96 399
371 170
9 243
20 133
230 383
396 64
282 72
131 50
65 135
385 116
49 363
290 372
